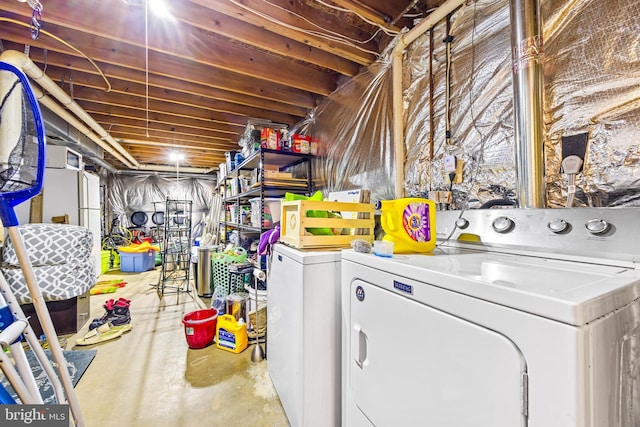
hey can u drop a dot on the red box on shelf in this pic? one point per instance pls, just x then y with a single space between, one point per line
270 138
300 143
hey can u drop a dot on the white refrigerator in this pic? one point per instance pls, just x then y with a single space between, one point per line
75 193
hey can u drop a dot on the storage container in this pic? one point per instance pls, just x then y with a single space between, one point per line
105 258
237 305
223 170
225 283
271 212
270 138
314 224
234 214
231 335
200 327
135 262
230 157
410 223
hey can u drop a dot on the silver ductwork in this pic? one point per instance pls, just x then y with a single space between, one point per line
60 132
527 51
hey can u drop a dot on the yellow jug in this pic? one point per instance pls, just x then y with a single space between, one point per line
409 223
231 335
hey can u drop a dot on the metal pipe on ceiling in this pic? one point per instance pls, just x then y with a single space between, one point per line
19 59
528 85
398 111
23 62
183 169
167 174
67 117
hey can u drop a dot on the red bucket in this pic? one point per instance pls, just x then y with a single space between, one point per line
200 327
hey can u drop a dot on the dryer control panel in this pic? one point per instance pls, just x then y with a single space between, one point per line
605 235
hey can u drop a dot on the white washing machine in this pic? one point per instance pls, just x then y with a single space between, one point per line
303 334
519 318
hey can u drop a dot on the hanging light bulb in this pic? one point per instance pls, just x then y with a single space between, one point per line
161 9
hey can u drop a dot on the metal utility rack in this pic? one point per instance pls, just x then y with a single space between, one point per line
262 188
176 246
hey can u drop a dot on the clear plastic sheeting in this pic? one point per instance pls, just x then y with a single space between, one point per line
354 129
592 81
592 84
132 193
354 123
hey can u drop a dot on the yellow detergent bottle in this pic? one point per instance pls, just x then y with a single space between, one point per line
231 335
409 223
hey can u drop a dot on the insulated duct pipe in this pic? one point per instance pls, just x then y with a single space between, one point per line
527 49
398 111
22 61
58 129
69 118
183 169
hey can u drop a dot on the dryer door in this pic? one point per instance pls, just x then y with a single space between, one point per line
410 364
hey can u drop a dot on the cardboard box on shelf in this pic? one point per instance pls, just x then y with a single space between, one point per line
300 143
277 174
270 138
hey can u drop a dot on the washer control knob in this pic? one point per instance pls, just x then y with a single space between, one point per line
558 225
462 223
597 226
502 224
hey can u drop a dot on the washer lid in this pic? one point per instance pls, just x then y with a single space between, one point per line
570 292
313 256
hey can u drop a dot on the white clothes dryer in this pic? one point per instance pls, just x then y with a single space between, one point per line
497 333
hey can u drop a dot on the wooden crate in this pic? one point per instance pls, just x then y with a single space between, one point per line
295 222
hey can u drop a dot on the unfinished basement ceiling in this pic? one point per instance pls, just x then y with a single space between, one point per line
192 81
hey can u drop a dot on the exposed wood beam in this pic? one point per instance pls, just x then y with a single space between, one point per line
367 12
164 119
139 134
155 143
383 13
192 109
222 80
181 90
61 12
208 135
171 50
161 154
178 133
198 117
243 14
227 26
192 15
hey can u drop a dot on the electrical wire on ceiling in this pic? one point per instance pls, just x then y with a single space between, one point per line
146 63
333 33
13 21
336 38
386 30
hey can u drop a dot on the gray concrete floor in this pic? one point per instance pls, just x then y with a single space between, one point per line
149 376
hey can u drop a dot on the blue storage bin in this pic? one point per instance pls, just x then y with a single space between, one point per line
136 262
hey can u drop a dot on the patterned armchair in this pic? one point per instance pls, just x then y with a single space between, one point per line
62 263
